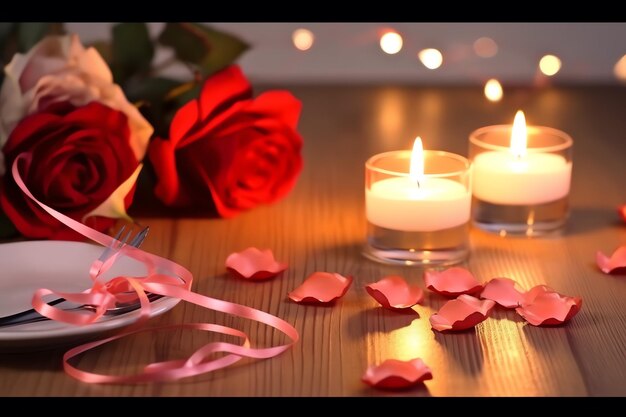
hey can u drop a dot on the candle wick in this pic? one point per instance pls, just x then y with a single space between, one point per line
418 183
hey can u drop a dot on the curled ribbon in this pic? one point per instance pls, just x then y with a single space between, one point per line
166 278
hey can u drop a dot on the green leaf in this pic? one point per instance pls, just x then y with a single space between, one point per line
151 89
29 33
209 49
189 94
152 96
132 50
6 28
188 46
6 227
8 44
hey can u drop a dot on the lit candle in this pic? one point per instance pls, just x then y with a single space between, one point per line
418 206
416 202
519 177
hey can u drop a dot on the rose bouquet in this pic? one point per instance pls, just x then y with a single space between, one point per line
97 120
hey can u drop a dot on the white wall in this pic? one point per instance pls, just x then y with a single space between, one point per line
349 52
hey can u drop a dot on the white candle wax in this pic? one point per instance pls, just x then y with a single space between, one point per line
534 178
399 204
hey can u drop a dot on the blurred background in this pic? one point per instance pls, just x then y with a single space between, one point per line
421 53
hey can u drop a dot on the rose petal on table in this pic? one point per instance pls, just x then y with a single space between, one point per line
452 282
617 261
504 292
254 264
542 306
396 374
321 287
621 210
462 313
394 293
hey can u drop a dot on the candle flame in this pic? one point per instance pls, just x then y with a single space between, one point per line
519 136
416 171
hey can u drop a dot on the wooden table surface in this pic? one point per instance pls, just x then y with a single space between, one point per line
321 226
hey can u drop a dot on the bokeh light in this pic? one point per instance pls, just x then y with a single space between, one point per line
391 43
620 69
549 65
493 90
303 39
485 47
431 58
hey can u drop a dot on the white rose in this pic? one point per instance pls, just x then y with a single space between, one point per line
60 69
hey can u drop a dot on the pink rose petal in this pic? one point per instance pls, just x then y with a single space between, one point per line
542 306
254 264
622 212
394 293
504 292
321 287
395 374
452 282
462 313
616 263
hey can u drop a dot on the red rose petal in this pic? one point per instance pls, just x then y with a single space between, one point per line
452 282
279 104
542 306
254 264
184 119
167 189
616 262
462 313
504 292
622 212
321 287
394 293
396 374
222 89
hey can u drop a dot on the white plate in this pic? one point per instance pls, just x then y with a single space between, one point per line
60 266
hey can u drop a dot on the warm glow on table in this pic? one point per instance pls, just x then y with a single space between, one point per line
321 225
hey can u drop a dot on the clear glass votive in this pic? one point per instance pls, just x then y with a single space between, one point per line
520 193
419 222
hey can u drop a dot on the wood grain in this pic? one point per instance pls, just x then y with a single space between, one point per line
321 226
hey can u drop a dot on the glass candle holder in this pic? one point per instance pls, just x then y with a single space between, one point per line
520 193
417 222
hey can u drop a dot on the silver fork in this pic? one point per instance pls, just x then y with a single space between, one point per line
30 316
117 244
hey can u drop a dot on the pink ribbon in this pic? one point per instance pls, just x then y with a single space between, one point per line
166 278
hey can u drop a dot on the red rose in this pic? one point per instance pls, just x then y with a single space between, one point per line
240 151
78 159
